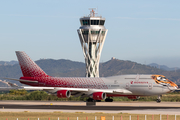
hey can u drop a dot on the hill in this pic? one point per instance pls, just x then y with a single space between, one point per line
8 63
121 67
163 67
68 68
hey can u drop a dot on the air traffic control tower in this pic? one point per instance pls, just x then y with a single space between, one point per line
92 34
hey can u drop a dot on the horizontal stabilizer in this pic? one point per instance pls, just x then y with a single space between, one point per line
12 84
30 81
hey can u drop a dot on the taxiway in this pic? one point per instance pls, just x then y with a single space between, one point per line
106 107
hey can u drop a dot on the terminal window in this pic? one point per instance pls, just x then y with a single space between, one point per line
85 32
94 32
85 22
102 22
94 22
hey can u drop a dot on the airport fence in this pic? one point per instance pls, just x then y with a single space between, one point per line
104 117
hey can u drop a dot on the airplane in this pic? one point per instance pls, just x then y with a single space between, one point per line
96 89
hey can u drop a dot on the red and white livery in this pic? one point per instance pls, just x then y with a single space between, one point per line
131 86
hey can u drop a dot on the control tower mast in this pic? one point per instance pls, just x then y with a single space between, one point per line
92 34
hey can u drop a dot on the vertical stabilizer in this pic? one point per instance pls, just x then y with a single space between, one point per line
28 67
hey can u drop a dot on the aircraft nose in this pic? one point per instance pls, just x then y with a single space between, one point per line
173 87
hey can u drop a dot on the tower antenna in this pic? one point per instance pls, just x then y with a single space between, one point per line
92 12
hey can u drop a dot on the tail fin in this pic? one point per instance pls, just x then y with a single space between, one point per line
28 67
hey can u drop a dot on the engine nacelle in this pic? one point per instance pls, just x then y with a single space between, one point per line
99 96
63 94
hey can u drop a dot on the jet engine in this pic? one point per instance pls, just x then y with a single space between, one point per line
99 96
63 93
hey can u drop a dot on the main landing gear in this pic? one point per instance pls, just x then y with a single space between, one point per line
159 99
90 100
108 100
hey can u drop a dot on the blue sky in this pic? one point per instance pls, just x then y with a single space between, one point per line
140 31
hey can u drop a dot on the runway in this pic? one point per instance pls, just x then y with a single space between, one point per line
106 107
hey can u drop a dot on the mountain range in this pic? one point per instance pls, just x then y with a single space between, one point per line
163 67
8 62
68 68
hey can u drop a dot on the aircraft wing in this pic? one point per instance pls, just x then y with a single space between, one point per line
70 89
83 90
122 91
80 90
86 91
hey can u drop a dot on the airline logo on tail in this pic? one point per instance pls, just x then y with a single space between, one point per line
29 67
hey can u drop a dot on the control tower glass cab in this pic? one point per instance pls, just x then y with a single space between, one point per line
92 34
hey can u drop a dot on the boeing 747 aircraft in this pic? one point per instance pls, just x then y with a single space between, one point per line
97 89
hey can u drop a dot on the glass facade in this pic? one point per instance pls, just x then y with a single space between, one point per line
85 22
85 32
92 22
102 22
94 32
103 32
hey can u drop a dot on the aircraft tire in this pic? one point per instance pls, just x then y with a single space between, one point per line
90 100
108 100
158 100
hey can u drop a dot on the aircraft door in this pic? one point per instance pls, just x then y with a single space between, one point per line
150 86
127 85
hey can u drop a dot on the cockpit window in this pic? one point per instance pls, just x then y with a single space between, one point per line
160 78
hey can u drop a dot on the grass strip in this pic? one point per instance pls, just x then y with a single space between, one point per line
81 116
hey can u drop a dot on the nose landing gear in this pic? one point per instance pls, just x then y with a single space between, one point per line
159 99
